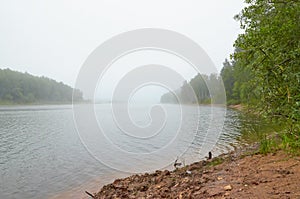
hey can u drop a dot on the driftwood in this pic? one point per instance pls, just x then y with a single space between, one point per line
88 193
209 155
177 164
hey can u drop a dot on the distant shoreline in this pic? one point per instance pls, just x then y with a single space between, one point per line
43 103
89 102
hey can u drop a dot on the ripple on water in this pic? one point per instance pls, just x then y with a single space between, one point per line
41 153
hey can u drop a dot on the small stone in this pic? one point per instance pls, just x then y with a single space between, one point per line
226 194
188 172
186 180
166 172
228 188
219 178
180 195
158 186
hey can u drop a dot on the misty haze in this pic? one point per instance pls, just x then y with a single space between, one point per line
158 99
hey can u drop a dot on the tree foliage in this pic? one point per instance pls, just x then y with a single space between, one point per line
227 74
270 52
202 89
20 88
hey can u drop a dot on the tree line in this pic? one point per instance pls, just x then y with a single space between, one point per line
23 88
264 70
201 89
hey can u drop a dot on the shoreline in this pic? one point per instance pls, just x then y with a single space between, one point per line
237 174
207 179
238 107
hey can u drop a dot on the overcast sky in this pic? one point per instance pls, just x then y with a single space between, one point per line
53 38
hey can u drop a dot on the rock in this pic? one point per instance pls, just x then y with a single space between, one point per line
180 195
158 186
228 188
143 187
219 178
188 172
254 183
226 194
186 180
194 167
166 172
159 178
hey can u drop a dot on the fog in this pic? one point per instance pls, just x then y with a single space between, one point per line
54 38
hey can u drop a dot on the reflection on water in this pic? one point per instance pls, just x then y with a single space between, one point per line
41 153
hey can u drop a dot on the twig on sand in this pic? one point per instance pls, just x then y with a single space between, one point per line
88 193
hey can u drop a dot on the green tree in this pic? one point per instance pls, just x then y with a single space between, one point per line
16 87
270 51
227 74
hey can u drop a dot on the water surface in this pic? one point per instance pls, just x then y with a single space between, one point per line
41 154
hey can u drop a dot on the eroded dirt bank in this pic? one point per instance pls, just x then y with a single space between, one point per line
234 175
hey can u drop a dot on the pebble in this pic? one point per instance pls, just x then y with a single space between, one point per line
228 188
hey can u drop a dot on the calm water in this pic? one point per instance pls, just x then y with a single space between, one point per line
41 154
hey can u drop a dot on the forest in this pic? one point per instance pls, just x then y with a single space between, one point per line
264 70
206 88
23 88
263 73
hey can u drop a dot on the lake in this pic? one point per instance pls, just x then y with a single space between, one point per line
44 153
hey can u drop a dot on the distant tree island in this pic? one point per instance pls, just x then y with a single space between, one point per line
23 88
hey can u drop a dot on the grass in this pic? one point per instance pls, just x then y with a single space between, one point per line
215 161
284 140
267 146
290 142
272 135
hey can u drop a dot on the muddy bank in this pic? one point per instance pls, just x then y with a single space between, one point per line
239 174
